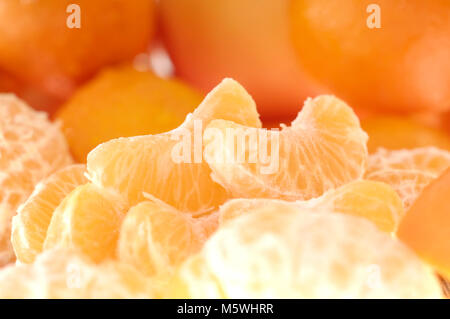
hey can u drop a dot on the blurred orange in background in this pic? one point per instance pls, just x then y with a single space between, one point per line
398 132
39 49
402 66
247 40
122 102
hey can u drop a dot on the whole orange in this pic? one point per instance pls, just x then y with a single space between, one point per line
41 45
382 55
247 40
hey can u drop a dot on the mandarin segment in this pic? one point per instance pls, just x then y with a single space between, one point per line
145 164
122 102
374 201
29 226
31 148
303 254
88 219
322 149
66 273
426 226
156 238
407 171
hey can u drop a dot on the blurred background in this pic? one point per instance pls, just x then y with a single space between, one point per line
110 68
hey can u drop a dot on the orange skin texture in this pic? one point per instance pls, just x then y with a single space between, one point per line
403 66
426 226
37 47
247 40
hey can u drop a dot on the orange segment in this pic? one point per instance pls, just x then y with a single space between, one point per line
31 148
270 253
65 273
426 226
156 238
323 149
407 171
29 226
123 102
375 201
141 164
399 132
89 219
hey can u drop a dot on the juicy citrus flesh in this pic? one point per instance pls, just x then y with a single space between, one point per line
86 241
374 201
394 133
268 253
88 219
155 238
29 226
141 164
407 171
426 226
31 148
67 273
323 148
123 102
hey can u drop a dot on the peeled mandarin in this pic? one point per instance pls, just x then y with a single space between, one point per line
31 148
29 226
374 201
67 273
155 238
88 219
324 148
270 253
151 163
407 171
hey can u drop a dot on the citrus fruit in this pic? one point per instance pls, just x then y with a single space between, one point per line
151 163
208 41
88 219
66 273
47 50
399 133
32 95
123 102
407 171
156 238
426 226
322 149
31 148
29 226
381 55
375 201
270 253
